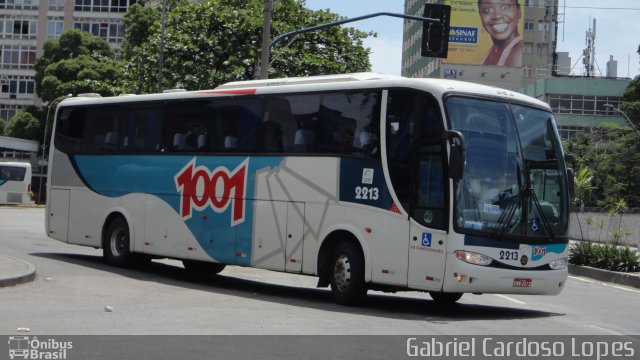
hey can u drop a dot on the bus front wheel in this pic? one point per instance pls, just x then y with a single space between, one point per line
347 274
116 243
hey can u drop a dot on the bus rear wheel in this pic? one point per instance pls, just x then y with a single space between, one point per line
115 248
202 267
445 298
347 274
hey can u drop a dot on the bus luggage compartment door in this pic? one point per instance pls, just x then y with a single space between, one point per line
295 236
58 215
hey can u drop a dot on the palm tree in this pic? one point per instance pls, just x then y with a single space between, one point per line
582 188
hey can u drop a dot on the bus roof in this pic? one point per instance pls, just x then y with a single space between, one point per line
319 83
323 79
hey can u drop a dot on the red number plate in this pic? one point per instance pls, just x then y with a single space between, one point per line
521 282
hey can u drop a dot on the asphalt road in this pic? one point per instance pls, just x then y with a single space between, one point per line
76 293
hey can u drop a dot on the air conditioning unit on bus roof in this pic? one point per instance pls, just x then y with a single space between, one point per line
89 95
322 79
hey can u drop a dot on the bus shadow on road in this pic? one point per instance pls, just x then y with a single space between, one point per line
375 304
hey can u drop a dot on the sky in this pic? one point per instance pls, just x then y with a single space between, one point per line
617 31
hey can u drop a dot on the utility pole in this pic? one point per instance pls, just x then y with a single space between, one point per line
265 50
163 20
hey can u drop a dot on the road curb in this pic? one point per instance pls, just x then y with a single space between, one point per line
626 279
21 271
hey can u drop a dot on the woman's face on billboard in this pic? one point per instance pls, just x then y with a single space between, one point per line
500 18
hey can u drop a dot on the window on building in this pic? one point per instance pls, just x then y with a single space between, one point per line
13 85
55 26
528 48
528 26
56 5
110 30
543 26
17 56
9 111
567 132
583 104
103 5
18 28
19 4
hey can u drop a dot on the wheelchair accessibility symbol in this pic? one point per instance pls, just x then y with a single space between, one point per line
426 239
535 225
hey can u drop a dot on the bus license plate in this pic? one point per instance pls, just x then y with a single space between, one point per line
521 282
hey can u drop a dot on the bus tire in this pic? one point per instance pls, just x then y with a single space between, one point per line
116 243
347 274
202 267
444 298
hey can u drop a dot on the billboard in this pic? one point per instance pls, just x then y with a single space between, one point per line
486 32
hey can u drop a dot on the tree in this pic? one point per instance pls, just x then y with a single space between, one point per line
631 101
75 63
214 41
26 124
613 153
23 125
139 21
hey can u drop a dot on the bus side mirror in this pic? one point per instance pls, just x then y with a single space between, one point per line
456 154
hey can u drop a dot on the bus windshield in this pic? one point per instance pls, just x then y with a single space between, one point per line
514 183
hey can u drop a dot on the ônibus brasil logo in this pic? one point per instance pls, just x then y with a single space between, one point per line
200 188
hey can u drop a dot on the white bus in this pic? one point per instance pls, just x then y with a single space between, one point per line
15 183
367 181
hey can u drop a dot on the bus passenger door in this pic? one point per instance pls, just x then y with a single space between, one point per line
295 232
427 234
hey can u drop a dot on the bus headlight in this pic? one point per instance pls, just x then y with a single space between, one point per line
473 258
558 264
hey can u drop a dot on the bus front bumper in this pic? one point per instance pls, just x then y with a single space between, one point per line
469 278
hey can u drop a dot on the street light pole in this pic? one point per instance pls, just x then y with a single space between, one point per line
442 19
163 20
609 106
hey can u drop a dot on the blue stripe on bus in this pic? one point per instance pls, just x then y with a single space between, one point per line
2 182
118 175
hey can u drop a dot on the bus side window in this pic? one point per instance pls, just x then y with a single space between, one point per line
103 129
236 123
305 137
277 130
70 129
248 128
143 127
187 126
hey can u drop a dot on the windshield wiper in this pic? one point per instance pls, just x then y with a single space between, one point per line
506 217
545 222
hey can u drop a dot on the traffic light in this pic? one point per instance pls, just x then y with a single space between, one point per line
435 35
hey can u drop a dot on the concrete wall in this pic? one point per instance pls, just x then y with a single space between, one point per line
630 226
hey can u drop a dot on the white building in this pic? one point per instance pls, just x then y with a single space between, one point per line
25 25
538 32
